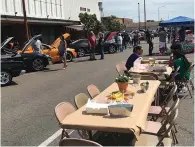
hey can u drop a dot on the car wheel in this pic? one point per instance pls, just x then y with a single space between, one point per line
6 78
69 57
38 64
81 52
112 49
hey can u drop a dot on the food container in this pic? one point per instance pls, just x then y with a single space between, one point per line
120 109
144 86
136 78
151 61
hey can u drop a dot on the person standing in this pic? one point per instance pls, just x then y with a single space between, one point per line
162 40
62 50
126 40
101 45
149 41
92 45
136 36
181 33
37 45
120 42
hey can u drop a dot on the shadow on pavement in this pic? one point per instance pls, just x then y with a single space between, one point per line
50 70
12 84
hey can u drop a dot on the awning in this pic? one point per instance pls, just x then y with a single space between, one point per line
32 20
76 27
178 21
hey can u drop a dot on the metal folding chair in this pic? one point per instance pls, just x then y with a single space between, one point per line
80 100
93 91
185 81
62 110
161 138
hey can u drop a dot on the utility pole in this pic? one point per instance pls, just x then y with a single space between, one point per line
139 15
145 13
25 19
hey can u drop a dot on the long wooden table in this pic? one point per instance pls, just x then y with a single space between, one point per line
167 72
135 123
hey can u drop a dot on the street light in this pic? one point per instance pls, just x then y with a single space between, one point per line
159 12
145 13
139 15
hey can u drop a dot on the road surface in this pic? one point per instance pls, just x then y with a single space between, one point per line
28 105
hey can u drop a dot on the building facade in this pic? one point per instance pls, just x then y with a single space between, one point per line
152 25
46 17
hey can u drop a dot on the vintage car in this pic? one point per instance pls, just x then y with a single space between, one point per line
10 69
32 60
52 50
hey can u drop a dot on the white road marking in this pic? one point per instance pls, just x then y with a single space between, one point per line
52 138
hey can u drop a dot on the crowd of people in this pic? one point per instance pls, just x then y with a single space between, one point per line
122 39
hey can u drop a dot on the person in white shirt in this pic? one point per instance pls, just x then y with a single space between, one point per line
120 42
38 45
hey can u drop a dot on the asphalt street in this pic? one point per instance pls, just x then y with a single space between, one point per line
27 106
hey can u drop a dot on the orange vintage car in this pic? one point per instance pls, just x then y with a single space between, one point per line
52 50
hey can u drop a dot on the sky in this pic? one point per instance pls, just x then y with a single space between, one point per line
167 9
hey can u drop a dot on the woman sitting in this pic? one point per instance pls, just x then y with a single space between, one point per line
137 52
181 61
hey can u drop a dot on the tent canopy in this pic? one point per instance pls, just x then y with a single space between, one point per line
178 21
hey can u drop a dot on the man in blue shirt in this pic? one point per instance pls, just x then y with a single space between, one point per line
137 52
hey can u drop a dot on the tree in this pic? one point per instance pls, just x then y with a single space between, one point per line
111 24
90 23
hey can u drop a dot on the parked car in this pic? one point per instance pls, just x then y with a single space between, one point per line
82 48
52 50
10 69
54 54
155 33
33 61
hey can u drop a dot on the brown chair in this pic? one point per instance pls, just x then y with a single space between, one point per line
93 91
121 68
156 111
185 81
80 100
77 142
62 110
161 138
155 127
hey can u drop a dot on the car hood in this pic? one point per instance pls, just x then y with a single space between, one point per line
30 42
56 43
112 34
6 42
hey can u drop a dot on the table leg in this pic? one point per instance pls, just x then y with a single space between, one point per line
158 96
90 135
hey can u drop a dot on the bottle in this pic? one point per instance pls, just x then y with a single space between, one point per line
171 60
